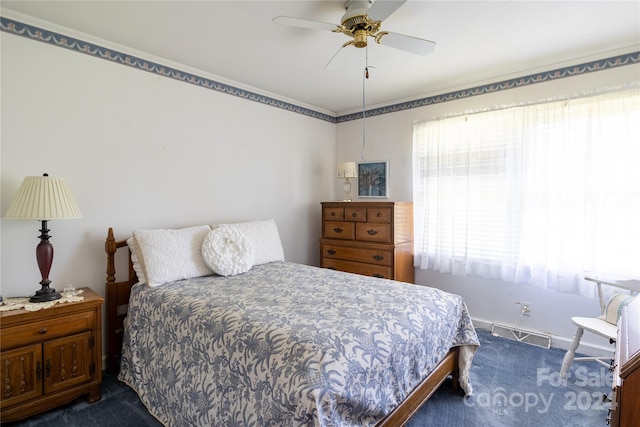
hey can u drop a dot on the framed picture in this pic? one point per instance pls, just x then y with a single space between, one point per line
373 179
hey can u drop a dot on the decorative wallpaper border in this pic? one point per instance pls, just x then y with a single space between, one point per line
546 76
35 33
56 39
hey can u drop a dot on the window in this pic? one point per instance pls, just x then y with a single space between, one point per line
542 194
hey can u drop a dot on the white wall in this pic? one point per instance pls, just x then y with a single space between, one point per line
143 151
390 137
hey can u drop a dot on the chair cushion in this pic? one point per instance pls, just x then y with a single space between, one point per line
614 307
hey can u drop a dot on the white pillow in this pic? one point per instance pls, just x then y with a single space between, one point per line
227 251
264 237
138 265
170 255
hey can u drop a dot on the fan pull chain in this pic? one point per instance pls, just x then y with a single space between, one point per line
364 115
364 127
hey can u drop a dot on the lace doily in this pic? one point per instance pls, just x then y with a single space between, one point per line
23 302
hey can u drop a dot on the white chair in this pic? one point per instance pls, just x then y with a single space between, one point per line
604 325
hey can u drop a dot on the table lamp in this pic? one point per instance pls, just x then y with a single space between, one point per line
43 198
347 170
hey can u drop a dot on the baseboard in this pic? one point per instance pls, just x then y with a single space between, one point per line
557 341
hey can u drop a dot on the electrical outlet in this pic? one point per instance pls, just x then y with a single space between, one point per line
525 308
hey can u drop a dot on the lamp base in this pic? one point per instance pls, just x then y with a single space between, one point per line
45 294
44 256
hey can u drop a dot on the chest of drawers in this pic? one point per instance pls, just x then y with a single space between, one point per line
50 356
369 238
625 407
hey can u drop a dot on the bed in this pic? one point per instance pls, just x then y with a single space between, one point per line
262 341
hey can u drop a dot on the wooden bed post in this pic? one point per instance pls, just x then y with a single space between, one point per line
110 248
117 300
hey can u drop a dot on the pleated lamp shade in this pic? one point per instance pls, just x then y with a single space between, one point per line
347 170
43 198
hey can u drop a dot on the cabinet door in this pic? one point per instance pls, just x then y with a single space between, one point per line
21 374
67 362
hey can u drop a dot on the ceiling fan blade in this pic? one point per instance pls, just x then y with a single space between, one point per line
304 23
407 43
339 58
382 9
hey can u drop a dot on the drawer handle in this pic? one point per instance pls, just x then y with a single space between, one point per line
354 214
379 276
378 257
331 252
338 230
333 214
372 232
42 331
379 214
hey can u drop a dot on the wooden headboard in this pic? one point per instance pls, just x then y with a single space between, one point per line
117 295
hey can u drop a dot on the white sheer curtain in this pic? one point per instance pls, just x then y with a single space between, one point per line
542 194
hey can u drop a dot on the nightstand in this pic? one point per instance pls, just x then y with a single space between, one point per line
51 356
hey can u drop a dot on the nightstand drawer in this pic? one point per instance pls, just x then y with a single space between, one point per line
358 268
339 230
372 256
373 232
43 330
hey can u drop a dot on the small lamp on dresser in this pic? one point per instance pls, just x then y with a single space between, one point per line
44 198
347 170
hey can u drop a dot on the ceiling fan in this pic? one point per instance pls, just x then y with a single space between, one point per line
362 20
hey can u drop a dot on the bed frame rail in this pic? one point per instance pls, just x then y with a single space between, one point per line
117 295
423 391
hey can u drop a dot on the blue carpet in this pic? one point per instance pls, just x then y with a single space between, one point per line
515 384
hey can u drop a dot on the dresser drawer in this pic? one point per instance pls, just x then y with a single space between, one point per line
47 329
373 232
372 256
339 230
358 268
379 215
355 214
333 214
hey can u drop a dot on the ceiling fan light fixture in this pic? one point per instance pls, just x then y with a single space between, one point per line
360 38
363 19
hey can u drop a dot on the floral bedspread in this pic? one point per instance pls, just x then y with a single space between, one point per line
288 345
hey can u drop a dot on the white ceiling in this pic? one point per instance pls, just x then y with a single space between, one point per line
477 42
